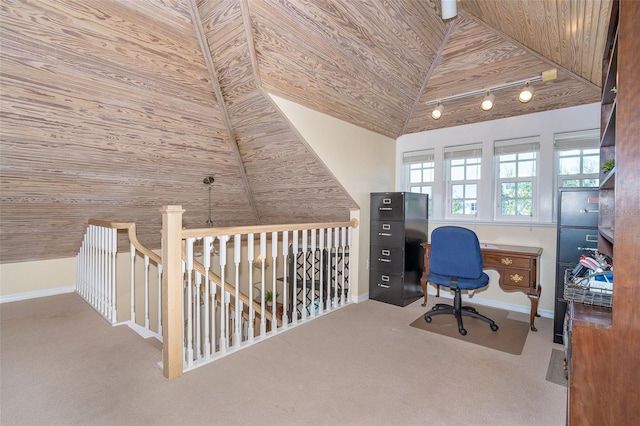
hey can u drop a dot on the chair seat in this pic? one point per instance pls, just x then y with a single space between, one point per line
463 283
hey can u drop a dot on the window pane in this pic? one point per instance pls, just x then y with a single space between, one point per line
473 172
569 166
591 164
457 173
456 207
507 170
526 168
416 176
471 191
591 183
571 183
524 207
508 190
428 175
527 156
457 191
525 189
508 207
470 207
570 153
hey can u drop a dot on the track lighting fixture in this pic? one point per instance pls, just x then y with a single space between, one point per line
437 111
526 94
488 101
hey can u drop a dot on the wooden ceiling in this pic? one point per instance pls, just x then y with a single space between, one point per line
111 109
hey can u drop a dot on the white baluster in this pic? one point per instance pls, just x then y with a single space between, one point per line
237 256
328 269
274 305
208 242
294 277
197 317
224 296
113 280
285 282
132 255
343 239
336 241
350 235
263 254
323 285
189 299
305 269
160 299
250 328
146 291
213 289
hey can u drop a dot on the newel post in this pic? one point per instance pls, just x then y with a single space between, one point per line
172 291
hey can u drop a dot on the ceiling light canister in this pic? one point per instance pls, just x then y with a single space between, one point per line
526 94
437 111
449 8
487 102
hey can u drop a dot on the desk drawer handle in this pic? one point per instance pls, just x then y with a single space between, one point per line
506 261
516 278
383 285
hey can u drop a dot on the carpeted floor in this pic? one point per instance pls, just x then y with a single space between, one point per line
510 336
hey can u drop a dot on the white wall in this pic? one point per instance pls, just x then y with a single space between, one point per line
540 234
363 162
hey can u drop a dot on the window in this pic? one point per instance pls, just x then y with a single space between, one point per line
462 165
419 173
578 159
517 165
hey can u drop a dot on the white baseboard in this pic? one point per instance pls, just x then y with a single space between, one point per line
525 309
35 294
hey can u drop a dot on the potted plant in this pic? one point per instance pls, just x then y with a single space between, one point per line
608 165
268 297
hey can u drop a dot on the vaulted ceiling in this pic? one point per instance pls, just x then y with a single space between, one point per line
113 108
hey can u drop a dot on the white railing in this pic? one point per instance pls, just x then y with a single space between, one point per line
225 277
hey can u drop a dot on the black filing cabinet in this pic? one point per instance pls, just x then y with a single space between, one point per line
577 235
398 227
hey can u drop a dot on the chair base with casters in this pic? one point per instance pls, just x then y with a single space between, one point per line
459 311
456 262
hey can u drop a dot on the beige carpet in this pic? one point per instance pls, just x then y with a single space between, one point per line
510 337
62 364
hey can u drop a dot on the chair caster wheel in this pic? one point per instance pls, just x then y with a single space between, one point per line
494 327
463 331
427 319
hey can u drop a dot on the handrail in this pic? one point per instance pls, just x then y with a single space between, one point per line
131 228
256 229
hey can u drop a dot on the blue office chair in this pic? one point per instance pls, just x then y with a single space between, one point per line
456 262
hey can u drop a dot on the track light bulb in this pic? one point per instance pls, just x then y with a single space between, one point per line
487 102
526 94
437 112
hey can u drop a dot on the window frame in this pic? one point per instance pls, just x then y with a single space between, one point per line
462 152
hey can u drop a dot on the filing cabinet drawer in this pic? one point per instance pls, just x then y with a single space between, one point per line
387 206
385 287
387 259
387 234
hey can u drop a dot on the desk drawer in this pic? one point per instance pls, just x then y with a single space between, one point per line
511 277
498 260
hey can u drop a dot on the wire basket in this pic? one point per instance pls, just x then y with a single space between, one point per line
593 289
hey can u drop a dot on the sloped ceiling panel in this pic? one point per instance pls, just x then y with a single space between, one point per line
106 114
477 57
287 181
360 61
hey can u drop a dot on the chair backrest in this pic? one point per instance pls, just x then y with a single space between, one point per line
455 251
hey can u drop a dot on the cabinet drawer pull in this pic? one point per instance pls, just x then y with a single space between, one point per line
386 201
506 261
384 260
386 252
385 278
383 285
516 278
386 227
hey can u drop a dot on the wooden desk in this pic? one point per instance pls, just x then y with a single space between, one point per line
517 266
